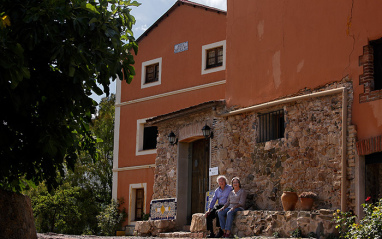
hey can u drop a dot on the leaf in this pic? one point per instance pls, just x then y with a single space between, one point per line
91 8
93 20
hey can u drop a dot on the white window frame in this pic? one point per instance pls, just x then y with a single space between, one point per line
139 140
132 196
205 48
143 74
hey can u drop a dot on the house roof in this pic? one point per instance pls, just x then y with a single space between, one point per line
175 6
186 111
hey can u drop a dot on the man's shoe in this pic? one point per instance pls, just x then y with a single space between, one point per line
211 235
220 234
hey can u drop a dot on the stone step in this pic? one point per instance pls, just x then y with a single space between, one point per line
182 235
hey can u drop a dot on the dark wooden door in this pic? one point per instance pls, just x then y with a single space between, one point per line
200 164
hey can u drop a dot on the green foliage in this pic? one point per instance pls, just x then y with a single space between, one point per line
296 233
145 216
54 54
369 227
111 218
312 235
91 179
276 234
53 210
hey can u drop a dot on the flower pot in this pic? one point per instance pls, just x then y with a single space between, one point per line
306 204
289 200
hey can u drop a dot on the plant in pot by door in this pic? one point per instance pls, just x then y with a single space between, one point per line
289 199
307 199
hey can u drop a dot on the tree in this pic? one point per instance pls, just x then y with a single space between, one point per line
54 53
85 192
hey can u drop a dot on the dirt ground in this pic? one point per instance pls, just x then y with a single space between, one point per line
62 236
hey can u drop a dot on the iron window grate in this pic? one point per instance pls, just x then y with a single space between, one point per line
271 126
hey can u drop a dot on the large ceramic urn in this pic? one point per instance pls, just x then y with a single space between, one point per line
289 200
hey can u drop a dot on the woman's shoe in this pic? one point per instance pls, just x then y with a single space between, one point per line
228 235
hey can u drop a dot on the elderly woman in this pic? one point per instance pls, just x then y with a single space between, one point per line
221 195
235 202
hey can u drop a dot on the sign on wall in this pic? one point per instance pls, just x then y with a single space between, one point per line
181 47
214 171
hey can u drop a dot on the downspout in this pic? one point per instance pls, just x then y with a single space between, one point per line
310 96
344 150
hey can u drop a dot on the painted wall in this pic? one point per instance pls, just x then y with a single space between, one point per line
179 71
278 47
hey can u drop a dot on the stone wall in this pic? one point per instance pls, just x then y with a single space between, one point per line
308 158
253 223
265 223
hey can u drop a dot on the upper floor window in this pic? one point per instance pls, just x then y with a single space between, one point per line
271 126
150 137
146 141
213 57
371 79
151 73
377 53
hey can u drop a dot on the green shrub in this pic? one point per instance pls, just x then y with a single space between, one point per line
296 233
111 218
369 227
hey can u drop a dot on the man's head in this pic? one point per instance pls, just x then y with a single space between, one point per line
222 181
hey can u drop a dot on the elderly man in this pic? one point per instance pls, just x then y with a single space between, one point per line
221 194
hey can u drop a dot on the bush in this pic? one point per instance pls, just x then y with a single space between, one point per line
111 218
369 227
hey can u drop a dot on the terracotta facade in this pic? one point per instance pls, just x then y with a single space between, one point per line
310 61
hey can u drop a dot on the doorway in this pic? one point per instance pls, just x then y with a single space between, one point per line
373 176
199 174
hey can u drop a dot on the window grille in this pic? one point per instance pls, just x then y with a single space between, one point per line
271 126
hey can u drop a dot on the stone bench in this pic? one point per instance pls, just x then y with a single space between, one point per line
264 223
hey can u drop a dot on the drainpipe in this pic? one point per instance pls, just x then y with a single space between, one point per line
310 96
344 150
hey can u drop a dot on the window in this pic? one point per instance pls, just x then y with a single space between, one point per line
213 57
151 73
146 140
271 126
377 52
150 137
371 79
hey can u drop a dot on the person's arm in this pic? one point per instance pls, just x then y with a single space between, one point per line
212 204
242 199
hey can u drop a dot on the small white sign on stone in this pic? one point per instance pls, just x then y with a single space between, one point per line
214 171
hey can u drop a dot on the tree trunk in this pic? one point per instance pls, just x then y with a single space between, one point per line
16 216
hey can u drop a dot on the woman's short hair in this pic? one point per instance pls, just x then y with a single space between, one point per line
223 177
236 178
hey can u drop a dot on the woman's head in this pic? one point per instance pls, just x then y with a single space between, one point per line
221 180
236 180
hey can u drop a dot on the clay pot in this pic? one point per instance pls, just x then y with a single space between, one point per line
289 200
306 203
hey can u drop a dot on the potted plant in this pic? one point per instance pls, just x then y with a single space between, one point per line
307 199
289 199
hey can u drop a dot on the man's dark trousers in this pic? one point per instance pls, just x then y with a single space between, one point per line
213 214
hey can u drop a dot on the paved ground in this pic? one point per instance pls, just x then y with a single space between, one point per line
62 236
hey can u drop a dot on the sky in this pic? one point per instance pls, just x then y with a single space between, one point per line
151 10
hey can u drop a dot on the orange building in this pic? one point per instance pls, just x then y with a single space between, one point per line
292 91
169 76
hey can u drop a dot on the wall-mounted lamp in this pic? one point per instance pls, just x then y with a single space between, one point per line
172 138
207 133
